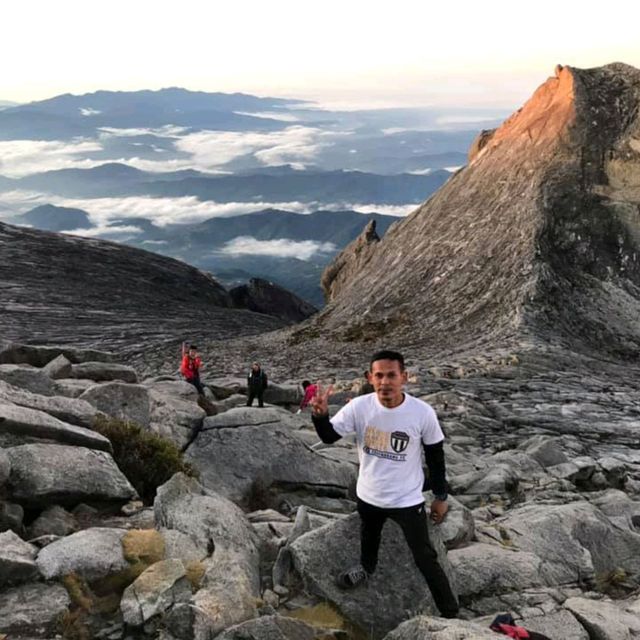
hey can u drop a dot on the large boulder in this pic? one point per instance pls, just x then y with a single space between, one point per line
427 628
231 584
606 620
158 588
207 517
69 410
555 624
53 521
458 528
42 474
176 417
484 570
104 372
17 559
59 367
20 425
273 628
33 610
241 462
28 378
92 554
73 387
283 394
41 355
396 588
127 402
253 417
585 542
547 451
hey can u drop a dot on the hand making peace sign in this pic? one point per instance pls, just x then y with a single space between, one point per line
320 402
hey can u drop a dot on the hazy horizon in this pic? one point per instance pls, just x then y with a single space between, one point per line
344 56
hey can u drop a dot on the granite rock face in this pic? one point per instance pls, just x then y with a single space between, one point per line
42 474
266 297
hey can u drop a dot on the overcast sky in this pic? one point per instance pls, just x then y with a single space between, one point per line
343 53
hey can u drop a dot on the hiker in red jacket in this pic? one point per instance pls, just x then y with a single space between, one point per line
309 393
190 368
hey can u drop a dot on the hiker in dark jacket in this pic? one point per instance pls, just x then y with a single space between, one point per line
256 384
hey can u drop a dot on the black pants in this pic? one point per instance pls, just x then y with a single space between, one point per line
413 522
195 381
255 393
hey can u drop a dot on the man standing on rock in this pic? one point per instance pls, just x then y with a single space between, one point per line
392 428
190 368
256 384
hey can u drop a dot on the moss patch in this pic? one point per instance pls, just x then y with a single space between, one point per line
146 459
195 572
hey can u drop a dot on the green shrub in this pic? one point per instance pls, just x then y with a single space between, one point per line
146 459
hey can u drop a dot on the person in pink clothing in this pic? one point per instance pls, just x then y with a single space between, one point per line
309 394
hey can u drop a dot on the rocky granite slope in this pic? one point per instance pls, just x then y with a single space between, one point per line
544 520
60 289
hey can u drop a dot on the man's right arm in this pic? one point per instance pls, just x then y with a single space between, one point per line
325 429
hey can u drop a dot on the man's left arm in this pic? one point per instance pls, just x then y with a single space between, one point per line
434 457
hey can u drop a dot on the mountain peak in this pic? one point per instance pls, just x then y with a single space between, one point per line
535 239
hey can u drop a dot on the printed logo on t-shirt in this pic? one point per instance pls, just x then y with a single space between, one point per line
382 444
399 441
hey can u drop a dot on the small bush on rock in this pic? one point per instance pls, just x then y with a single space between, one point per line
146 459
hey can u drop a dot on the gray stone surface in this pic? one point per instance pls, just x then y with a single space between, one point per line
274 627
21 424
555 624
59 367
92 553
5 467
428 628
231 584
66 409
178 545
42 474
547 451
584 540
175 416
17 560
484 570
128 402
53 521
254 416
604 619
72 387
285 394
458 528
396 588
28 378
158 588
11 516
32 609
41 355
271 456
104 372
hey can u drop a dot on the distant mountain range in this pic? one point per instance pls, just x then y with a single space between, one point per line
206 244
137 159
68 116
286 184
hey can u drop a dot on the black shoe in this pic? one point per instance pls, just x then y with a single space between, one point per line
449 614
352 578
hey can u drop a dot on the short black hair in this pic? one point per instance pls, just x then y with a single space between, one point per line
386 354
193 346
305 384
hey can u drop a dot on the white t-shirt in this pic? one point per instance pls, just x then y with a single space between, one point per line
389 447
